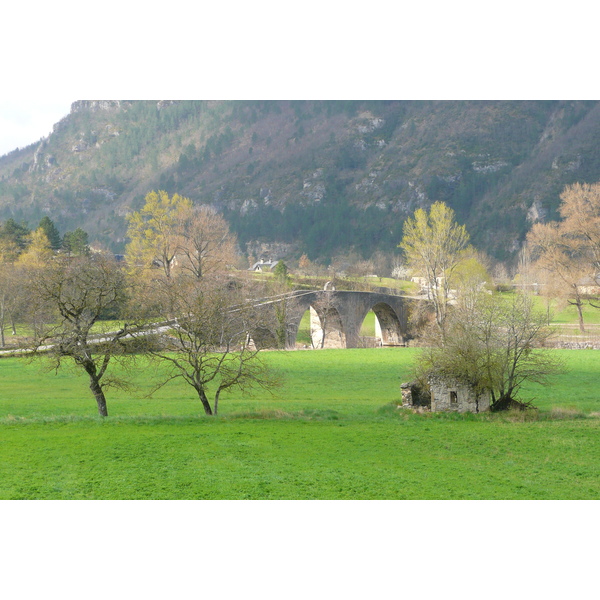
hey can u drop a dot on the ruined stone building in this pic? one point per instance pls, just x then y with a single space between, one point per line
446 395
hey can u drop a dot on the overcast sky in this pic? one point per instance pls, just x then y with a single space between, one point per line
25 122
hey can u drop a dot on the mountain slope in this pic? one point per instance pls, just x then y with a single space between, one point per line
321 176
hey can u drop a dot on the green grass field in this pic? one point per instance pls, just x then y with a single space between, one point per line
331 432
564 317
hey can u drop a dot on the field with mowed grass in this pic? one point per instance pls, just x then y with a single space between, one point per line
331 431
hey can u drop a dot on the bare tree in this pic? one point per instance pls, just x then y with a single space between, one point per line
169 232
580 211
555 254
206 245
68 300
569 250
326 310
494 344
208 343
361 271
279 295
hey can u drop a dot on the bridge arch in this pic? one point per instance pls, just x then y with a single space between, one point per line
263 338
387 325
326 327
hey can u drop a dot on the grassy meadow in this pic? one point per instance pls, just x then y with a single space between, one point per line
332 431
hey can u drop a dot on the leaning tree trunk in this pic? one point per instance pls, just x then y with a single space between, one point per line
96 388
99 396
204 400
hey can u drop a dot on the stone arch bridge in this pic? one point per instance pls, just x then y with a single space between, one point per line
336 318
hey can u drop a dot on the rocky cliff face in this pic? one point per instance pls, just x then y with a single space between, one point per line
321 176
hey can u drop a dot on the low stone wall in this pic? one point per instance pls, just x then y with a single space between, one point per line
370 342
588 345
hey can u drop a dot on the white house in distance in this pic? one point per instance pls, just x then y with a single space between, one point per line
426 289
263 266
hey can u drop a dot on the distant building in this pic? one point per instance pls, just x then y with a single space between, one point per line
589 286
263 266
428 290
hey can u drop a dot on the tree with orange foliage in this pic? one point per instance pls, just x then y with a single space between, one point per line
569 250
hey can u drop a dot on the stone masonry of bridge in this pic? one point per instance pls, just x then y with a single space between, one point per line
338 316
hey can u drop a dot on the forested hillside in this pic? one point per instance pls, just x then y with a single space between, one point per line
320 177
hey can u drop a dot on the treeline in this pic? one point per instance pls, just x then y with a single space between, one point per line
24 250
20 243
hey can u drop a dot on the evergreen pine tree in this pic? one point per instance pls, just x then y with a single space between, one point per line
47 224
76 242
